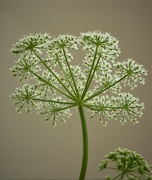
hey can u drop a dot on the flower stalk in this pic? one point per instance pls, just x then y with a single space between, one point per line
85 143
52 85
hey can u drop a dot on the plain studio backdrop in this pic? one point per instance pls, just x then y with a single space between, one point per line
30 148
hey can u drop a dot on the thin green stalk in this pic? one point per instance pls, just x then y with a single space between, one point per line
49 100
54 74
41 79
68 80
66 59
94 107
85 143
121 177
101 90
117 176
90 73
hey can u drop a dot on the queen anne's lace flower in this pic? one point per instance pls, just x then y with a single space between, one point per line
128 164
29 43
54 76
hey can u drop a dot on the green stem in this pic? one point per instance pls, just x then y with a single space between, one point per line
121 177
90 73
67 78
72 76
52 101
101 90
85 143
41 60
51 85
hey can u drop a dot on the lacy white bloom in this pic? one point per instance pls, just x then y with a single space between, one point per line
54 58
108 80
107 45
128 107
63 41
133 70
102 108
23 67
56 111
78 75
29 43
47 89
103 66
54 75
24 97
109 107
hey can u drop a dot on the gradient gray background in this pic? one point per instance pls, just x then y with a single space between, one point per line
29 147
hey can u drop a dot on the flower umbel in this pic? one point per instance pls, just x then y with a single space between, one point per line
25 96
60 84
29 43
24 66
128 165
55 111
134 71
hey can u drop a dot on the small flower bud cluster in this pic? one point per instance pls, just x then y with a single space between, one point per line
128 164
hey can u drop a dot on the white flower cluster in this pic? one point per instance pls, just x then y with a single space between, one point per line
107 80
128 107
25 95
63 41
78 75
102 107
54 75
29 43
133 70
124 105
55 111
45 88
105 44
24 65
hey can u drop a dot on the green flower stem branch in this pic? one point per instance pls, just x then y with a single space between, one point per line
53 73
85 143
52 85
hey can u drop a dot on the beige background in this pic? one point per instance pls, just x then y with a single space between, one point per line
29 147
